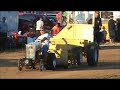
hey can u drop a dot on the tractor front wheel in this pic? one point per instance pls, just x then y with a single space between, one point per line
20 65
51 61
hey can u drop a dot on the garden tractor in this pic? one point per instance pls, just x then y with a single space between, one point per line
32 57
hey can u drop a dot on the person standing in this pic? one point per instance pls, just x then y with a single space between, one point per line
58 17
111 29
4 30
118 29
104 33
65 13
97 28
56 29
39 25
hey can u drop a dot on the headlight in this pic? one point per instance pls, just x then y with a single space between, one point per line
26 61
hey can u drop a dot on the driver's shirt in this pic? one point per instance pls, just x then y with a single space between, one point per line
46 42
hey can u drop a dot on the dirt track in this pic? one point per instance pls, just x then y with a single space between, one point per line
108 67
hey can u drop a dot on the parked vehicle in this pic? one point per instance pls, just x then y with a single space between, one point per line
24 25
32 18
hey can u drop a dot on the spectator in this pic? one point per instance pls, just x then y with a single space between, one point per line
39 25
58 17
97 27
104 33
118 29
111 29
65 13
23 27
4 30
56 29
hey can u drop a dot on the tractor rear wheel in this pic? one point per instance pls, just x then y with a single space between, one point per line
92 54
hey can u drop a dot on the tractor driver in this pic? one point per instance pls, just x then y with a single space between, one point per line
44 39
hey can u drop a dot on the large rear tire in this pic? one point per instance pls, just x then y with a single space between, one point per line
92 54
